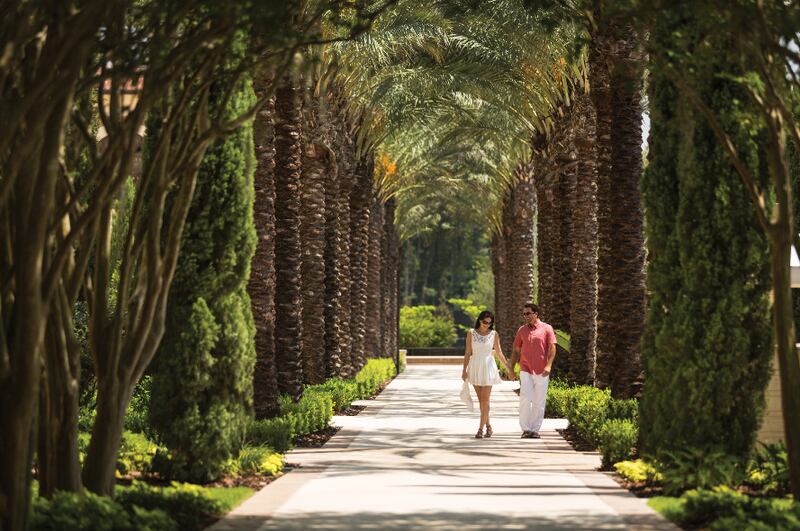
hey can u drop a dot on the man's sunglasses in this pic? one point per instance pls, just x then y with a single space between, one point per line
527 313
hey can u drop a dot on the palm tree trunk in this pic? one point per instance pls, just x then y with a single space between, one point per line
261 286
390 314
312 235
373 324
520 250
626 209
347 174
583 310
511 310
360 200
563 155
600 91
288 302
333 301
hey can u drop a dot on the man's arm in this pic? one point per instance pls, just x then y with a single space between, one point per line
550 357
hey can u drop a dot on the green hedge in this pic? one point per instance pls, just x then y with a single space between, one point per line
425 326
319 402
723 508
617 440
189 506
70 511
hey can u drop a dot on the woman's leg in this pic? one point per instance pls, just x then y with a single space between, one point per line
479 394
485 404
488 402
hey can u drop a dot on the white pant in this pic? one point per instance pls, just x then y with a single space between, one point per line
532 398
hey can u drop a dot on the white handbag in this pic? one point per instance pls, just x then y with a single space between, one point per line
466 397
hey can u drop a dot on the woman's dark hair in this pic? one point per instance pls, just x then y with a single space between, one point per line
483 315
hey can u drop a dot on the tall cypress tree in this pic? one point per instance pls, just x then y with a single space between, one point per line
708 345
203 373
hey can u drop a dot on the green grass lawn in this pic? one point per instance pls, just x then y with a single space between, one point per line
669 506
230 497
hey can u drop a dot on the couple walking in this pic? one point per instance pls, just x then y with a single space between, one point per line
534 347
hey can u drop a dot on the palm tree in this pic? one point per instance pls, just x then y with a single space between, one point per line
261 286
375 267
312 234
360 202
583 287
628 245
346 162
288 253
333 301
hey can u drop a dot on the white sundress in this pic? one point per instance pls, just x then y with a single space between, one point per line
482 369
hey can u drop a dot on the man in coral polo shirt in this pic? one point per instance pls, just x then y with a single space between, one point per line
535 348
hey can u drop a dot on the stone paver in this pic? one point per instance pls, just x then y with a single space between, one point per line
410 461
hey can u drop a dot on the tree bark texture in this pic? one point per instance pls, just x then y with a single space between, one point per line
333 302
373 338
288 252
583 289
626 314
347 176
360 201
316 161
261 286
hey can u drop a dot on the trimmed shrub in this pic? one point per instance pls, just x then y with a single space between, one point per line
617 440
768 470
557 394
72 511
723 509
136 453
706 371
202 391
188 505
424 326
701 467
277 432
638 471
255 460
587 410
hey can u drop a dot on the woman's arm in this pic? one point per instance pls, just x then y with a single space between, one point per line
467 354
503 358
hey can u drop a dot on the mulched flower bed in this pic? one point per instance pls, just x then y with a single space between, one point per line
575 440
640 489
256 481
317 439
352 411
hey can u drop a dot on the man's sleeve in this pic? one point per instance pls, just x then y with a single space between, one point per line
518 340
551 336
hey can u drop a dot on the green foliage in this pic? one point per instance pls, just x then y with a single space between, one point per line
424 326
255 460
723 508
136 417
768 470
468 307
638 471
136 453
556 402
587 410
189 506
699 467
71 511
315 409
481 287
707 344
203 372
618 438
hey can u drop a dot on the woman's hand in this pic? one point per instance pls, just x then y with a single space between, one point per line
464 375
511 375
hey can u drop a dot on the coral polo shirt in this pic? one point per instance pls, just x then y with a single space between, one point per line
534 344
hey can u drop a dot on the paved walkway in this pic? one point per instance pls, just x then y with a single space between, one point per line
409 461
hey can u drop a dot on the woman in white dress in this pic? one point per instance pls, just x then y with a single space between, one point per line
480 369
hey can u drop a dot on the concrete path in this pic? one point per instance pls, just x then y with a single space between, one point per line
410 461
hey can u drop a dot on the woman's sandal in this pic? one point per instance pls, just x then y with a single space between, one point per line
489 432
479 435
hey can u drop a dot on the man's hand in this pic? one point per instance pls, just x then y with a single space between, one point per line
511 375
546 371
